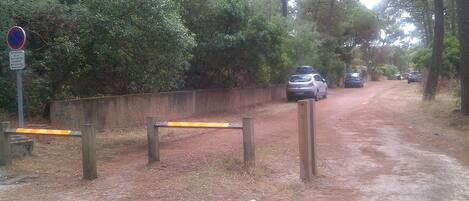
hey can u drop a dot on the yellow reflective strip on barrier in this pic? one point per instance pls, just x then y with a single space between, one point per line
198 124
43 131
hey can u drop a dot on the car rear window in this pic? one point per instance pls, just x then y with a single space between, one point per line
300 78
305 70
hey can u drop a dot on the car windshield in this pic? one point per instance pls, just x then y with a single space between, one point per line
300 78
353 75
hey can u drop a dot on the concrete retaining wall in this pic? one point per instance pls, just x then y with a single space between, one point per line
131 110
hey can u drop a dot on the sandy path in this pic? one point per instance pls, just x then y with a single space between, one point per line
368 151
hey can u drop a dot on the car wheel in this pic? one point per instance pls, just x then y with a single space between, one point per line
290 98
316 96
325 94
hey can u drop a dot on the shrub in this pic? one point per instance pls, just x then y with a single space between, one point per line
387 70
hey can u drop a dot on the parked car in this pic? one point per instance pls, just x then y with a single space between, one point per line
414 77
354 80
398 77
305 70
306 86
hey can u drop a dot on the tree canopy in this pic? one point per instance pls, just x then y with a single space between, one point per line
81 48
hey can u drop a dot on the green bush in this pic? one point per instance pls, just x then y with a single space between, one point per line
333 72
7 95
387 70
89 47
235 44
390 70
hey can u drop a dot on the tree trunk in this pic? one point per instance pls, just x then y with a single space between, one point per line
463 22
316 10
437 60
453 17
428 22
285 8
425 28
332 11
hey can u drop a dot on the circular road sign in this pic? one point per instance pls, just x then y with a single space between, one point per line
16 37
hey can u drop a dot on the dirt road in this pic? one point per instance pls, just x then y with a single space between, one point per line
371 147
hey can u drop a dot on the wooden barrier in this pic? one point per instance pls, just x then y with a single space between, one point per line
5 149
248 136
88 140
307 139
153 140
88 150
248 142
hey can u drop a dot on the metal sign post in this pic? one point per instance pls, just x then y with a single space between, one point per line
16 38
19 88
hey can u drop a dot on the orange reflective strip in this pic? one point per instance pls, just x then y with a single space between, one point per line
198 124
43 131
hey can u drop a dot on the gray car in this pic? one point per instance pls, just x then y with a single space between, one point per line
306 86
414 77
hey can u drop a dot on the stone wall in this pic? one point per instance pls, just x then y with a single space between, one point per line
131 110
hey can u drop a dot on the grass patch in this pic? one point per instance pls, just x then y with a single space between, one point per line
118 142
228 177
204 180
446 108
231 163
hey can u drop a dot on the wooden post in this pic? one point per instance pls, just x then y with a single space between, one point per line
5 149
248 142
312 131
153 140
304 140
88 142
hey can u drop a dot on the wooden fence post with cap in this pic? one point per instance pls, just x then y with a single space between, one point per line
88 141
248 142
304 140
5 149
153 140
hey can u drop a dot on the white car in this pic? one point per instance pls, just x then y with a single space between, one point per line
306 86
